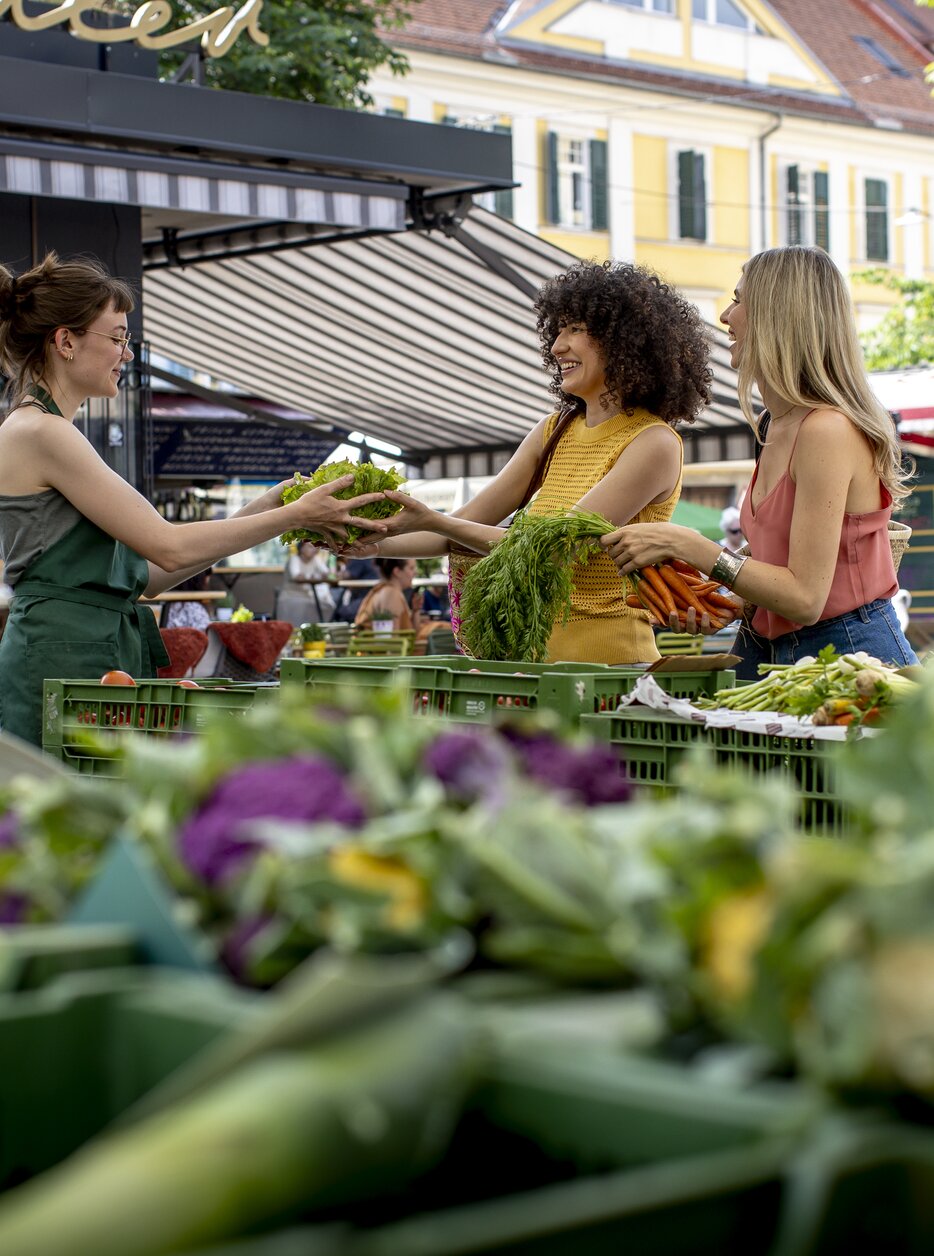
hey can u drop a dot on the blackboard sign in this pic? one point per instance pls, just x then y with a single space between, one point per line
227 450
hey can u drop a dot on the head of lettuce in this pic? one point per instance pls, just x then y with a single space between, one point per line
367 479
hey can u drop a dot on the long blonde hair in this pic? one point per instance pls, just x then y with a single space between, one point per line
801 340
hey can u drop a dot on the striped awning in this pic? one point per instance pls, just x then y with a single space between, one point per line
421 340
231 191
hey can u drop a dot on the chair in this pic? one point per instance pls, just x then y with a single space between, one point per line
185 647
364 642
679 643
441 641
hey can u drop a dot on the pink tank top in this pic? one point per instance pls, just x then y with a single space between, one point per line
864 571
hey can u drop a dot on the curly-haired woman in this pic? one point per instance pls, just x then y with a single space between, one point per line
628 360
816 513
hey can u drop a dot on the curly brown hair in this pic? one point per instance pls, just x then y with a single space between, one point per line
653 341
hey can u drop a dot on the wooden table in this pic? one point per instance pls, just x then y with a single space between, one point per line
206 595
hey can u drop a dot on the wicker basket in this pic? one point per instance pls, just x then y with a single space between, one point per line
899 539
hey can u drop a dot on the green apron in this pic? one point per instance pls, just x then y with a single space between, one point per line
74 616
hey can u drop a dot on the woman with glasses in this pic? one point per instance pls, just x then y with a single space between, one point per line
79 545
819 569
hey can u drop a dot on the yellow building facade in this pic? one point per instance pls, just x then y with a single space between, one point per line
687 134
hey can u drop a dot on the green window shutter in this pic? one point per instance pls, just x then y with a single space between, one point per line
793 203
502 201
877 220
692 196
552 209
599 210
822 210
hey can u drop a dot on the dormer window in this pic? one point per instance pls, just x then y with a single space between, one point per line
651 6
722 13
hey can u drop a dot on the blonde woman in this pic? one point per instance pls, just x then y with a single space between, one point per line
816 513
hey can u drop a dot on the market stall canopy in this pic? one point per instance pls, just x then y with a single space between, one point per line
424 340
215 171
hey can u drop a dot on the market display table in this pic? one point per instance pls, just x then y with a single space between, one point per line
186 647
255 646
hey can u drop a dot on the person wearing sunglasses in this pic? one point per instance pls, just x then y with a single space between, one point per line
79 544
732 530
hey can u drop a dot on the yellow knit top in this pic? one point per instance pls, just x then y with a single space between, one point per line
601 627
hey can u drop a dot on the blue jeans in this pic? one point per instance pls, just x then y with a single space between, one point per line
873 628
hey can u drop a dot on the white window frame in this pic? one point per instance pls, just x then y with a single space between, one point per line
675 147
565 178
806 171
711 18
469 120
648 6
860 207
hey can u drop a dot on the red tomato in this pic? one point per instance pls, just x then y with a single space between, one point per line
188 684
117 678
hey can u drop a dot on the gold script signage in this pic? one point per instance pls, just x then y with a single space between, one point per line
218 30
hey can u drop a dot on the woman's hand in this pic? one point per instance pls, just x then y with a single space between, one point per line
638 545
415 516
320 511
361 548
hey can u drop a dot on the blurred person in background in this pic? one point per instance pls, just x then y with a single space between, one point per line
732 530
192 614
306 596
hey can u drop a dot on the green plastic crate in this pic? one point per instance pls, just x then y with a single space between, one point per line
808 763
596 1155
73 709
76 1054
652 742
33 955
476 691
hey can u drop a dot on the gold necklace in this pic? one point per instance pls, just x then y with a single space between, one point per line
773 418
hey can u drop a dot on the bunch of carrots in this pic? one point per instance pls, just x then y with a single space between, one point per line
674 588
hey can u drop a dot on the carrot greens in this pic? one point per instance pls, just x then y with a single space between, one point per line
513 598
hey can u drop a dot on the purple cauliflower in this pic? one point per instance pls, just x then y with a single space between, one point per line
302 789
470 765
588 775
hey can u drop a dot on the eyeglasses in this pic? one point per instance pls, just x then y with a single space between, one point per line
123 342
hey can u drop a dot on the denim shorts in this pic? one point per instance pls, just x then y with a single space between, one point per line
873 628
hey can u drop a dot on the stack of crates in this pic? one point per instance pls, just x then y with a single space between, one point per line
76 712
476 691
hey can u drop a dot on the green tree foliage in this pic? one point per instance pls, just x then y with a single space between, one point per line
319 50
905 335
